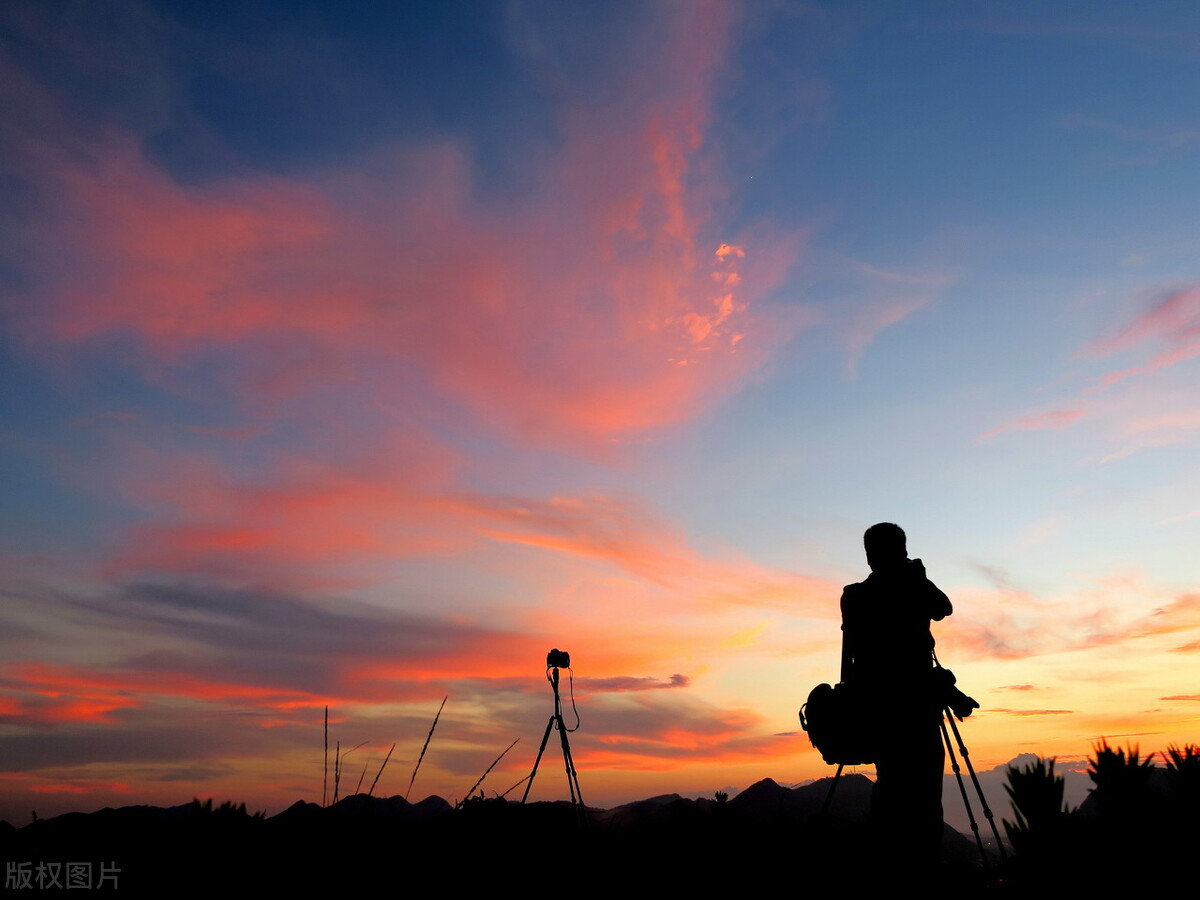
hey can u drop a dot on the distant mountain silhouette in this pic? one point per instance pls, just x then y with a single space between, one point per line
355 842
309 847
767 799
663 808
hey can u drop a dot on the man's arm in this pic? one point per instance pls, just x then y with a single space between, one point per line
937 602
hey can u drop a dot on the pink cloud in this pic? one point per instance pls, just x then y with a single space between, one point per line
1173 324
1173 321
1158 430
1171 421
1056 418
1174 317
582 313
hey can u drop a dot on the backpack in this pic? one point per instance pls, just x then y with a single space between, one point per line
835 721
839 725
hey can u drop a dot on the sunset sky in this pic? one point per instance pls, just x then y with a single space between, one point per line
358 354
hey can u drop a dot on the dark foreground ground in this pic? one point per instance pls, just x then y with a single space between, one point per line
766 839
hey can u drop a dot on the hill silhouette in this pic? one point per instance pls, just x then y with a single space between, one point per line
1137 828
366 842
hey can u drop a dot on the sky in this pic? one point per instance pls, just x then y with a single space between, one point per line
355 355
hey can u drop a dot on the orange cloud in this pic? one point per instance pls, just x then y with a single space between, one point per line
81 787
1032 712
1181 614
77 694
656 738
328 520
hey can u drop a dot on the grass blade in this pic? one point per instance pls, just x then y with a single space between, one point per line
380 772
488 769
337 770
515 786
417 768
339 758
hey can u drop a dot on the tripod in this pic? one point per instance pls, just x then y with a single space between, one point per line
947 716
556 721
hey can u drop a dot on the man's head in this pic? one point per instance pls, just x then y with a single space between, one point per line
885 545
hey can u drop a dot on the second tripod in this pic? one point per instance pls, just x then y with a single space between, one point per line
555 660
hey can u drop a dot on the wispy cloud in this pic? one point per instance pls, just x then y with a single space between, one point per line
1017 627
1172 321
1055 418
1041 531
1165 333
1167 139
1032 712
891 298
626 683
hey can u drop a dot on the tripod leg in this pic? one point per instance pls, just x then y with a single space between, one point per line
541 750
987 810
962 789
574 775
569 763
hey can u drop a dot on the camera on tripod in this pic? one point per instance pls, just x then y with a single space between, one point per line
558 659
950 695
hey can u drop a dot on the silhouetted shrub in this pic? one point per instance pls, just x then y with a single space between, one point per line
1043 828
1122 780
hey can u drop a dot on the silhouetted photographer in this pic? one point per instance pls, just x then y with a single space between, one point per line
887 663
